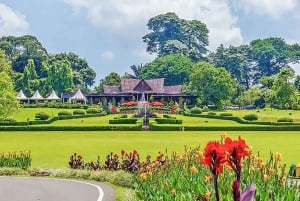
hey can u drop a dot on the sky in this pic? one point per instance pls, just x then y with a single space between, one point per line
108 33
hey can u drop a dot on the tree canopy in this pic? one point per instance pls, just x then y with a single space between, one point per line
212 85
175 68
170 34
8 101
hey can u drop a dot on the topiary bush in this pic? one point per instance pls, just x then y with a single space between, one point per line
226 114
196 110
42 116
92 110
76 112
251 117
64 113
285 119
205 109
211 113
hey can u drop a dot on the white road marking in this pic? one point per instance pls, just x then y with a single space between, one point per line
100 190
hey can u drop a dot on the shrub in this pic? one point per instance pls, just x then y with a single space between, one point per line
205 109
285 119
196 110
42 116
92 110
251 117
226 114
75 112
211 113
64 113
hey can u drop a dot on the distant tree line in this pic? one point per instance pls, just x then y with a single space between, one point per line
256 73
34 68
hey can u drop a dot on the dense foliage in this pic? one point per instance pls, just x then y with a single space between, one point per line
33 68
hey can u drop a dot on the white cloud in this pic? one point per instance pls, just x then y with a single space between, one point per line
12 22
273 8
107 55
127 19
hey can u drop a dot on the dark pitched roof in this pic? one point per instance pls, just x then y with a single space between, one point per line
173 89
135 85
111 89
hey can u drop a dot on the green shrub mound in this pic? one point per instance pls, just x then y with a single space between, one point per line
168 121
76 112
92 110
64 113
42 116
285 119
226 114
122 121
251 117
196 110
211 113
205 109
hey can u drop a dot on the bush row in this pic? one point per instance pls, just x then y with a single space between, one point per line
135 127
122 121
242 121
49 121
168 121
162 127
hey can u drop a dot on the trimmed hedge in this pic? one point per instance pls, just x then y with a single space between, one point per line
122 121
92 110
211 113
42 116
196 110
64 113
285 119
76 112
225 114
168 121
168 116
121 116
136 127
162 127
250 117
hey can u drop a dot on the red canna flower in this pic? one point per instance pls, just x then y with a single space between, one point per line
122 152
214 157
236 150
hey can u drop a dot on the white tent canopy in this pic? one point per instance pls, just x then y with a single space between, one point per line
37 96
52 96
21 96
78 96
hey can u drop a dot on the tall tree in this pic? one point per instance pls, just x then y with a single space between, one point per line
30 79
284 90
213 85
113 79
170 34
271 55
60 76
8 101
236 60
175 68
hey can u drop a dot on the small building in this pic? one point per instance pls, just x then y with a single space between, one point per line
78 97
134 89
36 96
21 97
52 96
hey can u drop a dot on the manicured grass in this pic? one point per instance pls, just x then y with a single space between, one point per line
53 149
267 114
24 114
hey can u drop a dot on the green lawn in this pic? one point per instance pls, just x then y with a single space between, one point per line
267 114
52 149
23 114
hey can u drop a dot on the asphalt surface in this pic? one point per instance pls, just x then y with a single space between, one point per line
43 189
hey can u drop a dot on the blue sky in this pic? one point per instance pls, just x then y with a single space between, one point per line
108 33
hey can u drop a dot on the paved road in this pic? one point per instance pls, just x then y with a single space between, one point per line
43 189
